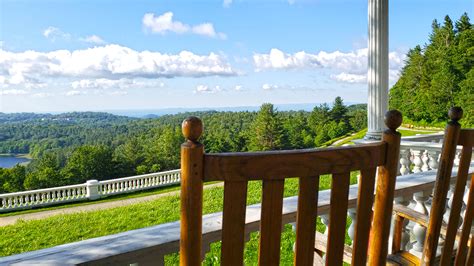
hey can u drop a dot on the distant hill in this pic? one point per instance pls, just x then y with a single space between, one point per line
154 113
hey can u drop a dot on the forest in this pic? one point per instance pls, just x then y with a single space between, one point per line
74 147
438 75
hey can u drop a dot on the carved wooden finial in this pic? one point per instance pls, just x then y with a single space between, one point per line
393 119
455 113
192 128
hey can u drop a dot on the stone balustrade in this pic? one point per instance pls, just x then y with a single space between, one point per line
148 246
91 190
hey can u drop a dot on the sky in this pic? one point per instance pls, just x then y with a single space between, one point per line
86 55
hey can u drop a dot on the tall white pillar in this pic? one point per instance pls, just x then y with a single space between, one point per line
377 75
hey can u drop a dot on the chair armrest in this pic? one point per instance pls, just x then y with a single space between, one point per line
412 215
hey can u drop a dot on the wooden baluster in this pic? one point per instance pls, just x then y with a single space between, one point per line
365 200
337 224
192 156
233 223
456 204
306 220
270 224
383 205
441 186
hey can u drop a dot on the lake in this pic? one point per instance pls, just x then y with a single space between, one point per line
10 161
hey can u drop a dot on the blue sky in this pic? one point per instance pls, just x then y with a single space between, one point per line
104 55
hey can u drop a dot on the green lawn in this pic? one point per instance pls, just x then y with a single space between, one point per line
37 234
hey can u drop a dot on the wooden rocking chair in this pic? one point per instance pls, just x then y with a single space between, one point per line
272 167
464 255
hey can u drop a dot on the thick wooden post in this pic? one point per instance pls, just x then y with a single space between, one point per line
448 152
192 155
387 174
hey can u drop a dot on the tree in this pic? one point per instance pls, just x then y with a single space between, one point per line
13 178
267 130
339 110
436 76
89 162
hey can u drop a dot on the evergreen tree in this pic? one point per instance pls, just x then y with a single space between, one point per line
267 130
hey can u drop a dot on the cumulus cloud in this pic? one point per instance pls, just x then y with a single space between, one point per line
123 83
112 62
164 23
207 89
93 39
350 78
238 87
54 33
352 66
268 87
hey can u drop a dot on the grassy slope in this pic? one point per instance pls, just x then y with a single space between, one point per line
32 235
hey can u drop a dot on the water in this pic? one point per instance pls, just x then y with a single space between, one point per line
10 161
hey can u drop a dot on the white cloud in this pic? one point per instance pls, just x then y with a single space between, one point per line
269 87
350 78
118 93
115 84
238 87
226 3
54 33
164 24
93 39
207 89
351 65
74 93
13 92
111 62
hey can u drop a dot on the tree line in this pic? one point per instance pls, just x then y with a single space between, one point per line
74 150
438 75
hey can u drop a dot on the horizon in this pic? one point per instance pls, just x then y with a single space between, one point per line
148 55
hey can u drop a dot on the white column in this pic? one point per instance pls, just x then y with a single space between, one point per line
377 75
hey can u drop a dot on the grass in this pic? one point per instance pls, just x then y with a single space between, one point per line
408 133
56 230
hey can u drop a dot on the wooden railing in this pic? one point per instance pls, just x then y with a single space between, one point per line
148 246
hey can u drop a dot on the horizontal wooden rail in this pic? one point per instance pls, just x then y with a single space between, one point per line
298 163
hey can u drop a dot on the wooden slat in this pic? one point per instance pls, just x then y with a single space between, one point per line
233 223
365 199
457 201
294 163
466 137
470 256
410 214
397 234
466 228
440 192
270 224
320 246
306 220
387 174
337 218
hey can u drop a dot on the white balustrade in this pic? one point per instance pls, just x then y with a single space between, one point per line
91 190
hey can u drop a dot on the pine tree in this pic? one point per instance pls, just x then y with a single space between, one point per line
267 130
